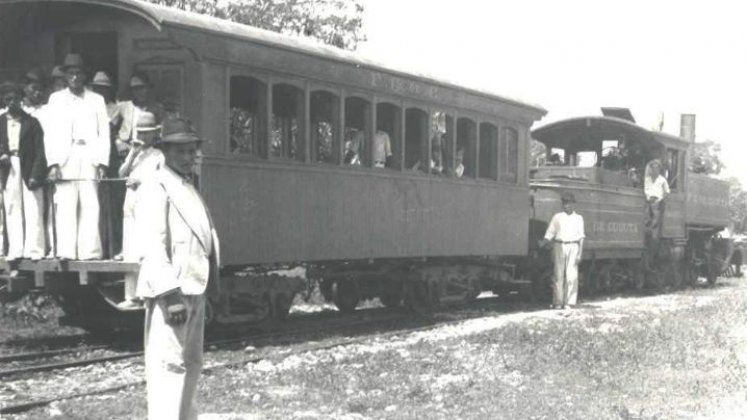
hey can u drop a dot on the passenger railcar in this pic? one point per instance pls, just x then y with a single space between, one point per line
280 117
602 163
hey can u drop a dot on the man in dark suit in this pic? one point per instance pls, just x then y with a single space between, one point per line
23 169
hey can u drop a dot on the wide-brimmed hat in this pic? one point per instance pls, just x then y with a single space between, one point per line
567 197
57 72
8 87
72 60
138 81
146 121
178 130
101 79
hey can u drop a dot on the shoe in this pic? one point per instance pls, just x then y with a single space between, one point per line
118 257
566 307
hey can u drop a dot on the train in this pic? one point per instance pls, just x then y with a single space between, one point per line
455 210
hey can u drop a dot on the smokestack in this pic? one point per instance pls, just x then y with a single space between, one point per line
687 127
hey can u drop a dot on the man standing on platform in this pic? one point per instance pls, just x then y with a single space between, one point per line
566 234
23 169
78 154
179 260
142 101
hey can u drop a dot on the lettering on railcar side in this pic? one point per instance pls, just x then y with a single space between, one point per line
614 227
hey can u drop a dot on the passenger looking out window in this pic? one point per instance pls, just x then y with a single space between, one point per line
354 141
459 163
248 107
382 149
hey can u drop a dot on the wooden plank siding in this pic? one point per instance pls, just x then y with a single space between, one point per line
274 212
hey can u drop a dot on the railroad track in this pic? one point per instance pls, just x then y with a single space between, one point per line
301 339
304 348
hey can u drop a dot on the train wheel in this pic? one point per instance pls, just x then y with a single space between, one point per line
419 297
345 296
392 293
283 303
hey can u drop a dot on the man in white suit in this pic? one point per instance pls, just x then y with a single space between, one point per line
78 154
179 258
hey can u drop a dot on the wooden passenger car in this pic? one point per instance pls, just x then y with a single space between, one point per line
276 113
609 189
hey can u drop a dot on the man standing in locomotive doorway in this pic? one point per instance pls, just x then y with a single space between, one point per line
78 155
566 234
179 261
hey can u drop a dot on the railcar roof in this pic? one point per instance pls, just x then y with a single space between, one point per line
565 132
161 16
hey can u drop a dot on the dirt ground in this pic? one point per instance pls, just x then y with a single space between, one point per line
670 356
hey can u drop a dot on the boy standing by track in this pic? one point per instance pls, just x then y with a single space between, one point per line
566 233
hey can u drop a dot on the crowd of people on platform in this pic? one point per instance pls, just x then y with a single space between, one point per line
61 139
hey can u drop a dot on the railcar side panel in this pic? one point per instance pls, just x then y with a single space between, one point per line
278 212
707 201
613 218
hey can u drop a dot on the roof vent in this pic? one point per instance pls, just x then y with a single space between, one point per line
622 113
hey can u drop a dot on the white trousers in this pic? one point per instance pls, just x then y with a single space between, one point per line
565 285
173 359
130 252
24 216
77 202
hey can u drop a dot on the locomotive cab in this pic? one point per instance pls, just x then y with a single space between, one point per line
603 160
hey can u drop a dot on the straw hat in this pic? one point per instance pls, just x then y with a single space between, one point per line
101 79
146 121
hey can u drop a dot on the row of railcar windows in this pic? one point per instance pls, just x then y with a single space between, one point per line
455 149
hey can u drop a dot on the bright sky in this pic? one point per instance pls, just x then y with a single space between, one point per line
573 56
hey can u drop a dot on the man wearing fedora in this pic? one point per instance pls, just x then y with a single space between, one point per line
139 165
141 101
23 170
78 155
179 260
566 234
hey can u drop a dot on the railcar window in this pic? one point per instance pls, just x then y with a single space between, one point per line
287 122
509 156
416 138
467 146
387 147
488 151
325 127
357 129
248 125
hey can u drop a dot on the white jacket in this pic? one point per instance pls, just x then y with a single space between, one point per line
180 246
59 116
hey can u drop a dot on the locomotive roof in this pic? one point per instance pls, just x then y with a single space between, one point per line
595 129
162 16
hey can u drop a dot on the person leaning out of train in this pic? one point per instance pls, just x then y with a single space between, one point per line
656 190
566 235
23 169
140 164
180 259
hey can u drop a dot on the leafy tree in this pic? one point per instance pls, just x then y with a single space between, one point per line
334 22
706 159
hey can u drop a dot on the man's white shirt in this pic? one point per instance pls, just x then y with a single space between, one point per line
565 227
